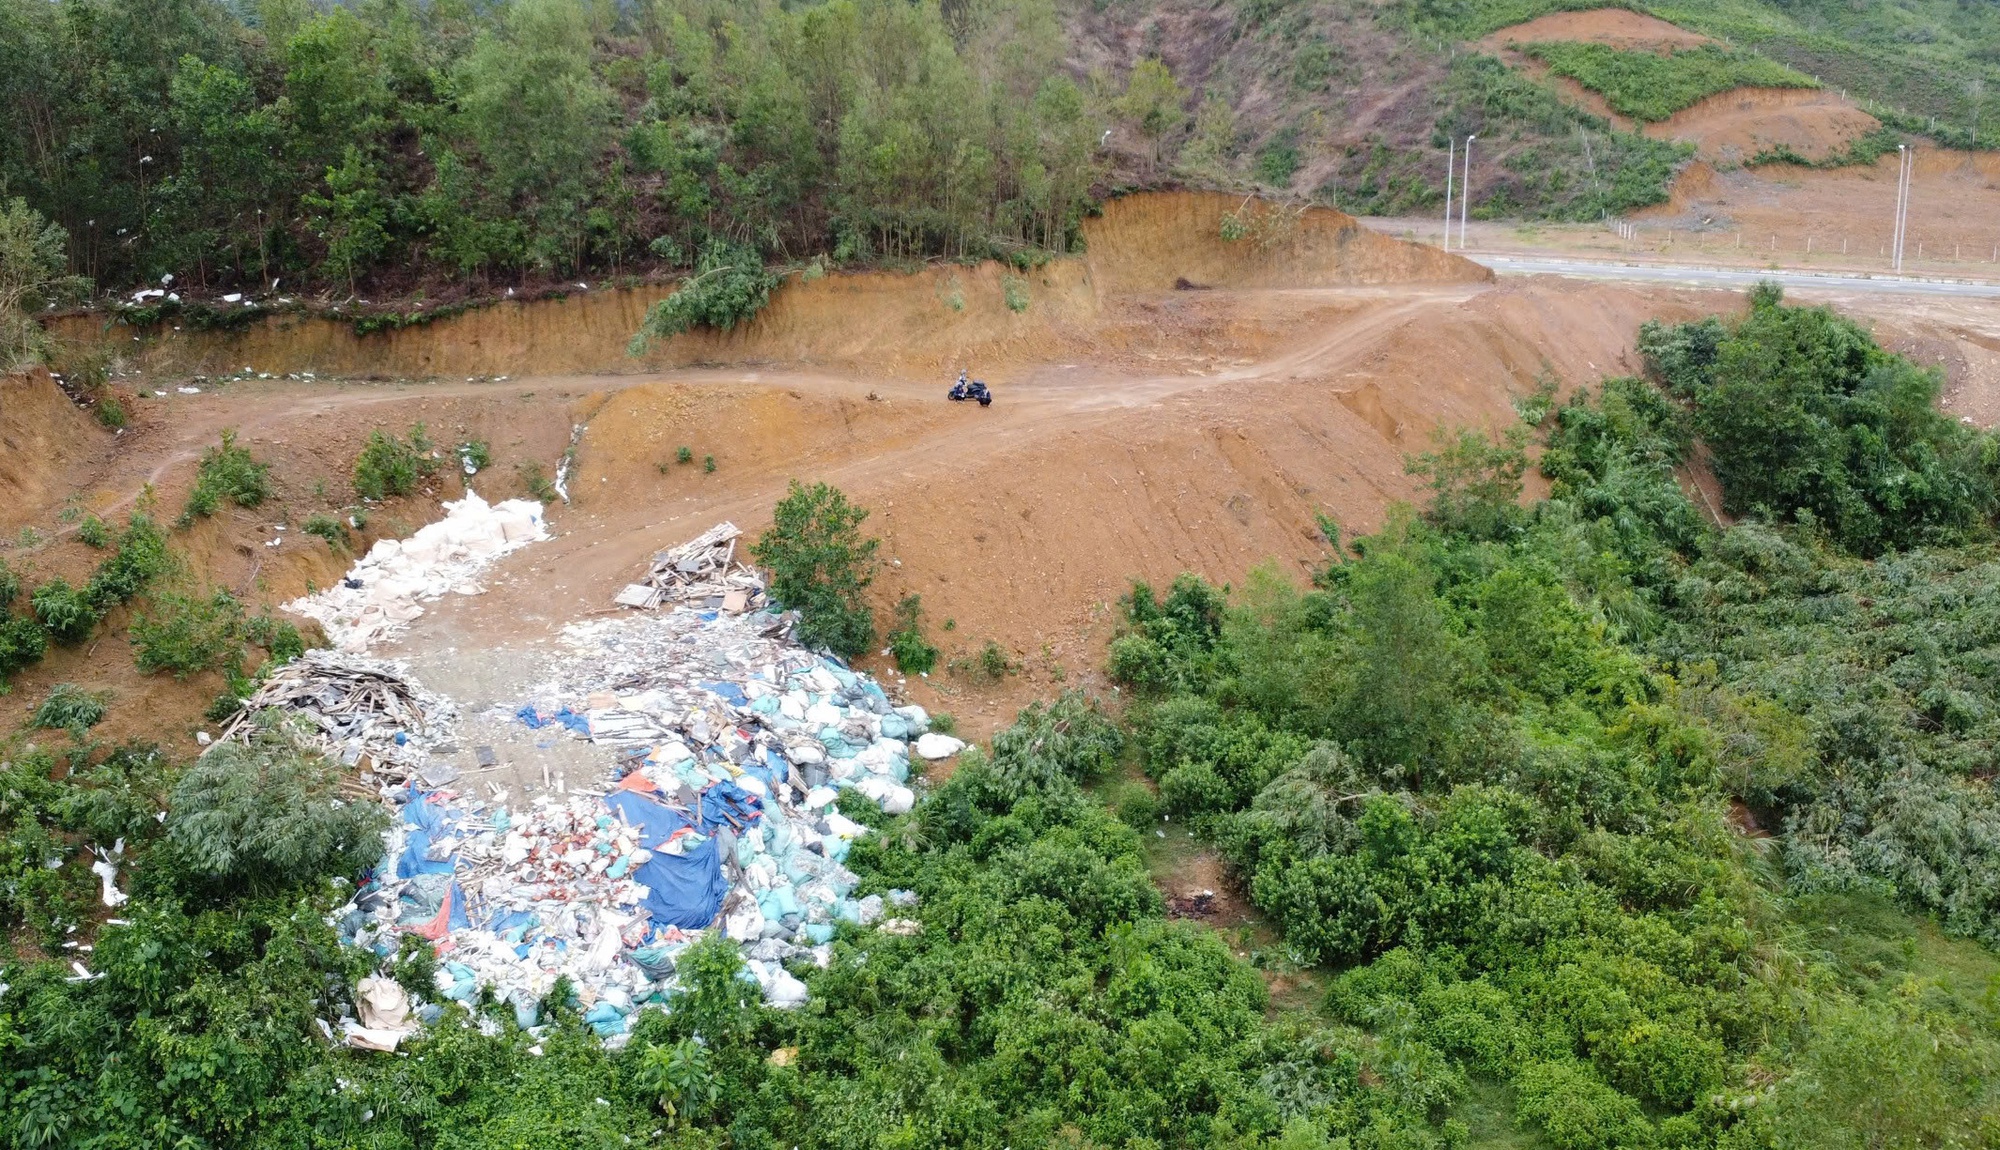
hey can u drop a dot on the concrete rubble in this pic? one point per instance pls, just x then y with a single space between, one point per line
734 746
384 590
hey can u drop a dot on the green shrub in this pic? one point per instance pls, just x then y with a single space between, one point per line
914 654
537 482
142 556
708 464
66 612
69 708
993 661
92 532
943 723
820 564
390 466
226 472
268 816
1136 805
684 454
730 286
187 633
329 528
1808 418
111 413
10 587
23 641
1014 290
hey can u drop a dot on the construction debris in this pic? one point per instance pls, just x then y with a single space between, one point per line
723 817
703 572
382 592
362 712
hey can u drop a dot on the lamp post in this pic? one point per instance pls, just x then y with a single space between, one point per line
1450 169
1465 203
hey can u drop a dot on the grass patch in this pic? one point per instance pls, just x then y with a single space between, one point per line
1650 86
914 654
70 708
391 466
226 472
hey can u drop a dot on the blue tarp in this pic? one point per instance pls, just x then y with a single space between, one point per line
564 717
687 889
724 801
426 819
729 693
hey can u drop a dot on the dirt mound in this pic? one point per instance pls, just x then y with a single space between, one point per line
1149 242
1612 27
42 437
1734 127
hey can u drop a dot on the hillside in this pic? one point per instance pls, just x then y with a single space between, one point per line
396 159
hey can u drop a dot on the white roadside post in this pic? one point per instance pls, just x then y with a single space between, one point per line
1465 190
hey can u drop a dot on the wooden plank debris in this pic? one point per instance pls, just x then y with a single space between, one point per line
703 572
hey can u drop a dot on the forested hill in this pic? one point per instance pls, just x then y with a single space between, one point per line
383 147
394 140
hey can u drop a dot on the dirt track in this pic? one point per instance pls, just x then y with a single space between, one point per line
1153 432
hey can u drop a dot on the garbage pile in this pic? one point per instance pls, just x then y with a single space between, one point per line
703 572
723 815
358 711
382 592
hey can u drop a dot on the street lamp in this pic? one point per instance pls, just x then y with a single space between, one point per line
1465 203
1450 169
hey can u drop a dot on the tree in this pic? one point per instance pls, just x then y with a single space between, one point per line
542 120
31 276
1153 103
820 564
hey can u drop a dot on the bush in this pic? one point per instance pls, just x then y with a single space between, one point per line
730 286
66 612
391 466
474 456
226 472
1014 290
111 413
1810 419
684 454
1136 805
185 634
914 654
267 816
820 564
329 528
22 642
142 557
69 708
92 532
537 482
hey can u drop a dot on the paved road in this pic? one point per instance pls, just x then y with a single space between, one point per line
1736 277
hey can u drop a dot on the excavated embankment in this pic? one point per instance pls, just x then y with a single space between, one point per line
902 323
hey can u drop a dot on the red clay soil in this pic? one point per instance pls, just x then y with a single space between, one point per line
1618 28
1954 210
926 322
1137 434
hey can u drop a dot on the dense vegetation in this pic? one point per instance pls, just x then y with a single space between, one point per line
341 145
1653 85
1484 768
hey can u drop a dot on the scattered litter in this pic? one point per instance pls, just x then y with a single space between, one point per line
385 1015
702 572
358 711
190 391
381 592
935 746
106 869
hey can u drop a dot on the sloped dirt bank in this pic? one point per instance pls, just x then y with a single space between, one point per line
902 323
